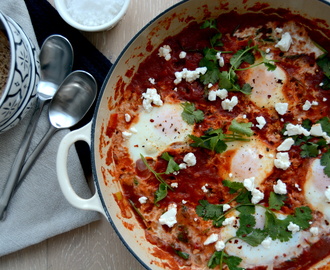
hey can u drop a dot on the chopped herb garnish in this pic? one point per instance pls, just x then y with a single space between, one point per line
324 63
190 114
215 140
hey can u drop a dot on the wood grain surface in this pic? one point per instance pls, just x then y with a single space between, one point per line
95 246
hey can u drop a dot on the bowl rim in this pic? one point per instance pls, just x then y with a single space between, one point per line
9 34
61 7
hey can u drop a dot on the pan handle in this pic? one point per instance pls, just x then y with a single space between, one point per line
93 203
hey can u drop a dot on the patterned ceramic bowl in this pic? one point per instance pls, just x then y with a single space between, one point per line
19 94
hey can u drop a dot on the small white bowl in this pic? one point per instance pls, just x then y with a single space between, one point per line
61 6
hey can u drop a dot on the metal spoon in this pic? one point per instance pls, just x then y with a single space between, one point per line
69 105
56 60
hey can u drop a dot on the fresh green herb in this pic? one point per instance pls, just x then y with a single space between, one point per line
211 62
182 254
220 258
216 39
172 166
324 63
276 201
309 150
325 161
215 140
190 114
212 24
163 187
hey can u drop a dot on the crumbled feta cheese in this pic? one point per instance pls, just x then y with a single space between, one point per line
229 221
190 159
314 103
128 118
151 97
316 130
324 99
211 239
228 104
261 122
280 188
182 55
282 161
189 75
221 59
285 145
143 199
184 201
204 188
220 245
209 85
221 93
174 185
169 217
292 130
225 207
249 183
297 187
152 80
327 193
165 51
307 105
133 130
266 243
293 227
281 108
314 231
126 134
285 42
183 166
257 196
268 50
278 30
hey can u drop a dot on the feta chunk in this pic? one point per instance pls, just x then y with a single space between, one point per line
229 104
314 231
229 221
292 130
316 130
257 196
261 122
307 105
221 93
282 161
151 97
182 55
126 134
285 145
221 59
266 243
225 207
165 51
220 245
285 43
281 108
280 188
204 188
169 217
128 118
293 227
211 239
189 75
190 159
249 183
143 199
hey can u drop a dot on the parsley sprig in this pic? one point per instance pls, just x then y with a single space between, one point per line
163 187
274 227
324 63
190 114
215 140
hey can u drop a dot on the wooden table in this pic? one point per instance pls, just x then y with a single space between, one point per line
95 246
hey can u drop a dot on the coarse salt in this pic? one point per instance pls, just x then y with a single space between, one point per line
94 13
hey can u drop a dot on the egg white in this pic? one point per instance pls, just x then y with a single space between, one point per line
155 131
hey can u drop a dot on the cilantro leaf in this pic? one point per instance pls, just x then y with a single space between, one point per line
324 64
161 192
212 140
216 259
212 24
246 224
233 186
325 161
216 40
172 166
276 201
277 228
241 128
220 257
255 238
302 217
190 114
325 124
309 150
211 62
182 254
241 56
209 211
232 262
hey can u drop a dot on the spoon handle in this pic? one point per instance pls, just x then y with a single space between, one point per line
36 152
20 158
